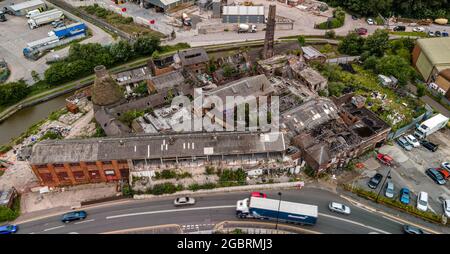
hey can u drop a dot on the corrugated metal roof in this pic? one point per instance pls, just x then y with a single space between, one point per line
243 10
27 4
437 50
169 2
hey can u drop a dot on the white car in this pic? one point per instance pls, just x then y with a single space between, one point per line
446 165
370 21
446 205
339 208
422 201
184 201
418 29
412 140
389 190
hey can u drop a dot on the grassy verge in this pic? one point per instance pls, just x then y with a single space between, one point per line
412 34
10 214
394 203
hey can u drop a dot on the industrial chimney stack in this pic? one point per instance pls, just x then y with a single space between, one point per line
270 33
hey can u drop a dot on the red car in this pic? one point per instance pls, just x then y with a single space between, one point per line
258 195
444 173
361 31
384 158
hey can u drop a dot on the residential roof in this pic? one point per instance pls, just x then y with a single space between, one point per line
310 52
110 125
167 80
158 146
193 56
243 10
27 4
312 76
437 49
133 76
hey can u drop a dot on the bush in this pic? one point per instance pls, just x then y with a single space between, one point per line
232 177
210 170
206 186
127 191
170 174
10 214
330 34
164 188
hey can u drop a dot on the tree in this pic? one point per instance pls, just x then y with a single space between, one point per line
13 92
301 40
35 76
330 34
377 43
420 90
352 44
397 67
122 51
146 45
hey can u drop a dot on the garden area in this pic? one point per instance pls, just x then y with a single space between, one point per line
125 24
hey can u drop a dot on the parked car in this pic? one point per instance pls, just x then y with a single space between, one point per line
354 17
399 28
384 158
389 190
259 194
412 140
401 141
445 165
422 201
435 175
404 196
431 33
182 201
361 31
370 21
339 208
444 172
444 34
418 29
437 33
408 229
446 206
375 181
72 216
8 229
428 145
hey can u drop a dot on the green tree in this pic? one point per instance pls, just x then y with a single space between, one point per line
122 51
146 45
377 43
420 90
301 40
35 76
330 34
397 67
352 44
13 92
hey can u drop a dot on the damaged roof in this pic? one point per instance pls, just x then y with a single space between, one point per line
193 56
159 146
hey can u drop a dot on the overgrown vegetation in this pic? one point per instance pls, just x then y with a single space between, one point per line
10 214
164 188
128 117
336 21
170 174
228 177
206 186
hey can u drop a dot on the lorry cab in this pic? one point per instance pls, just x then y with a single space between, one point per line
242 207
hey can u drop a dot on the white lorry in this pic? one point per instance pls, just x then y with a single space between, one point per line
245 28
44 18
430 126
32 13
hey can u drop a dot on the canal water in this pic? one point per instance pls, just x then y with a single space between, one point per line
23 119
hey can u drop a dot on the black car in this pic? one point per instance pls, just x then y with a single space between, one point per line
354 17
375 181
412 230
428 145
437 33
72 216
435 175
399 28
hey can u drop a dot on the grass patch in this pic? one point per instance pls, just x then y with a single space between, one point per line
10 214
170 174
228 177
413 34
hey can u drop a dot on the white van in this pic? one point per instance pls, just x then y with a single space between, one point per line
422 201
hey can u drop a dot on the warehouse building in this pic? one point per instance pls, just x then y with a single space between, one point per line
78 161
165 5
243 14
22 9
431 56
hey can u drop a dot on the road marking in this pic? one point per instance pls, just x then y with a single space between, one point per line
396 221
354 222
170 211
85 221
48 229
122 231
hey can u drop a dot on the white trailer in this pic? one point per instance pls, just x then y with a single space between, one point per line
430 126
44 18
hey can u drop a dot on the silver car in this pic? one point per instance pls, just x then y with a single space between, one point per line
389 190
339 208
182 201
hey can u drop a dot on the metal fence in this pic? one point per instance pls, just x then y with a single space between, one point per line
412 124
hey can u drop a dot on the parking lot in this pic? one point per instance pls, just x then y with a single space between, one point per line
409 170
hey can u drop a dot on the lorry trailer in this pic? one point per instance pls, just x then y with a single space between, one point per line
37 49
430 126
44 18
69 30
272 209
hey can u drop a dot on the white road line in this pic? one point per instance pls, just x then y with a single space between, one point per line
396 221
354 222
170 211
48 229
84 221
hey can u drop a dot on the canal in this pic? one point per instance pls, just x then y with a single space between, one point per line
23 119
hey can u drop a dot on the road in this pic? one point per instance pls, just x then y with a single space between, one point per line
209 211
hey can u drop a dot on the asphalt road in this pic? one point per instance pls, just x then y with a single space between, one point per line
208 211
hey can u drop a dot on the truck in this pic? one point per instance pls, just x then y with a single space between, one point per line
186 19
430 126
246 28
44 18
272 209
69 30
32 13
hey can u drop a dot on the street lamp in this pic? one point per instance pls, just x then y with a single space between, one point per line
278 212
387 176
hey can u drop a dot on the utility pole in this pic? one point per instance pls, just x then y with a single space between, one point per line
278 212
